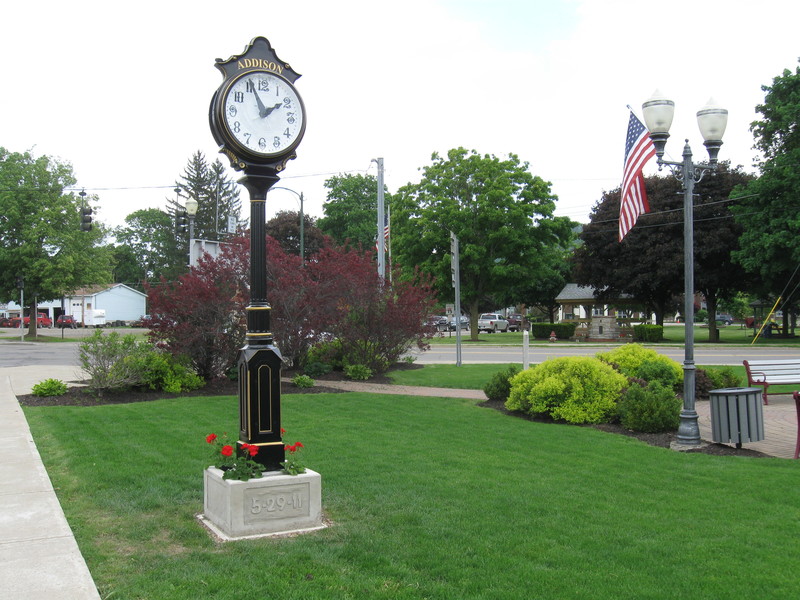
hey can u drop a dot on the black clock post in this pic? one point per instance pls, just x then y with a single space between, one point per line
258 119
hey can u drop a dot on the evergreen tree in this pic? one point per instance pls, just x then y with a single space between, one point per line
217 197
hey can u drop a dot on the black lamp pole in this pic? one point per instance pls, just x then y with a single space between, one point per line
260 360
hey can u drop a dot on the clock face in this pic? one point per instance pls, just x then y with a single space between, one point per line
263 113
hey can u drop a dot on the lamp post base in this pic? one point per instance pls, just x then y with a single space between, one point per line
689 430
260 403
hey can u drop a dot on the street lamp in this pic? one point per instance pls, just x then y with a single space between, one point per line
711 119
191 206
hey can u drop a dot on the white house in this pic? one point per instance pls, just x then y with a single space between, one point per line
121 303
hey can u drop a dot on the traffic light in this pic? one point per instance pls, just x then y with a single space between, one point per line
20 282
86 219
181 220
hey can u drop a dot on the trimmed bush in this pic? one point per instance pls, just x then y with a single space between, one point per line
575 389
303 381
629 358
329 353
564 331
317 369
358 372
650 409
715 378
499 386
646 332
160 371
662 372
49 387
724 377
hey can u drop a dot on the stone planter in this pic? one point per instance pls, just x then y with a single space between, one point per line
271 505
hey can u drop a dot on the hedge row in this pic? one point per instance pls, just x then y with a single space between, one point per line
564 331
648 333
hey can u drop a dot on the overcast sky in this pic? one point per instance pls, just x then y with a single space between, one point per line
122 91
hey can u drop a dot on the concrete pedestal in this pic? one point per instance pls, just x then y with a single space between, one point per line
274 504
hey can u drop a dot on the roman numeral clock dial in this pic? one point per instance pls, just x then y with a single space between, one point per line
262 114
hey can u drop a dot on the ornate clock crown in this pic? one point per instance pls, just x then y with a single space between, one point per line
258 54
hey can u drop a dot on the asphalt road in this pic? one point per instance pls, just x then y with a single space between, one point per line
17 354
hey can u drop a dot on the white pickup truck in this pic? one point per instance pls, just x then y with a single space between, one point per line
492 322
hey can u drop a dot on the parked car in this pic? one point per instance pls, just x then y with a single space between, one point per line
66 321
514 322
492 322
464 323
438 321
724 318
42 320
5 322
141 321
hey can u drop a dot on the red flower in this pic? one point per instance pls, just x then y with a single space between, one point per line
227 450
253 450
294 447
211 437
299 445
283 431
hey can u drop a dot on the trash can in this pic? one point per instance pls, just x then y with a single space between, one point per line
737 415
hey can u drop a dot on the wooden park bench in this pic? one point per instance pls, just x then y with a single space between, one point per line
765 373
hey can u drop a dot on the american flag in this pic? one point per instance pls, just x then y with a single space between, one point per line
639 149
385 232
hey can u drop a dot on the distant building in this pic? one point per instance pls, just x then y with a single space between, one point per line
120 302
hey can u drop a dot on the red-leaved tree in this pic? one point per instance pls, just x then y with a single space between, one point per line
335 293
201 316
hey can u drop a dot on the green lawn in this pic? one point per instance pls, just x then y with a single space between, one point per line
430 498
673 334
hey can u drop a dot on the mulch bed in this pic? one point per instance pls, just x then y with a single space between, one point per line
79 396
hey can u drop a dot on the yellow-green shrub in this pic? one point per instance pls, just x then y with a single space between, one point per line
574 389
630 357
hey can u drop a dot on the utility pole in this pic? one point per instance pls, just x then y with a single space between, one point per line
381 242
456 273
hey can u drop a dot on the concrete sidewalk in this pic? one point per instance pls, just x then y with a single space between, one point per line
39 558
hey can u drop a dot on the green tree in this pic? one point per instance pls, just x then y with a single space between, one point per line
40 234
217 197
648 263
768 208
351 210
284 227
501 213
146 248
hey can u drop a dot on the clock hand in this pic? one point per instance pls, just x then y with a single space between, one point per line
271 108
262 110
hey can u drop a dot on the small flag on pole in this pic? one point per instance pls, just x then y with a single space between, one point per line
385 233
639 149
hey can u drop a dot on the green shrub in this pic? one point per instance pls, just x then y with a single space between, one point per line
50 387
116 362
103 357
159 370
499 386
317 369
661 372
723 377
574 389
564 331
650 409
303 381
646 332
628 358
358 372
330 353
